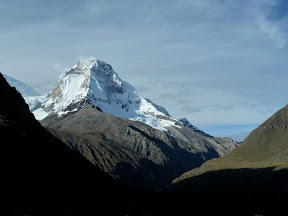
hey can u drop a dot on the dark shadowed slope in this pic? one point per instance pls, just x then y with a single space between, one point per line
37 167
259 164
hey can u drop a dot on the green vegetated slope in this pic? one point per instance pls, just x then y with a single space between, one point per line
259 164
37 167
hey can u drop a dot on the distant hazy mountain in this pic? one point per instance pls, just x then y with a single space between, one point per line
24 89
259 164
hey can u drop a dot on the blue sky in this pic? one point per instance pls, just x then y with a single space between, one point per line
222 64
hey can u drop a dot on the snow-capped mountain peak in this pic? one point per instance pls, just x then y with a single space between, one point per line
95 81
90 79
100 69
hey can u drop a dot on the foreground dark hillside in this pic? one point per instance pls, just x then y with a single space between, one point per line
36 168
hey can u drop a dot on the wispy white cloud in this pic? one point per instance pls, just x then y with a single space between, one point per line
276 28
60 67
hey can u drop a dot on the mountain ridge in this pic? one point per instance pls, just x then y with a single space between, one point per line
126 135
83 198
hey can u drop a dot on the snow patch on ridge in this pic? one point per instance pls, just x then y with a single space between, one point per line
186 123
40 113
